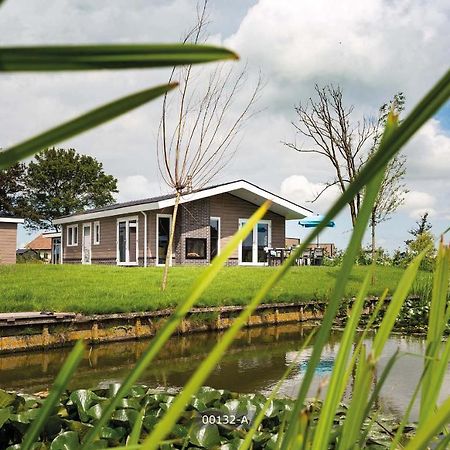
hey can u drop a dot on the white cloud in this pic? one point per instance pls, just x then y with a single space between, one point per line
135 187
302 191
418 203
428 154
373 48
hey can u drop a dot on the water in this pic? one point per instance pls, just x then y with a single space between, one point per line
255 363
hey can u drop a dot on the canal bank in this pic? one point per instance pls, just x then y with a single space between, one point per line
33 331
256 361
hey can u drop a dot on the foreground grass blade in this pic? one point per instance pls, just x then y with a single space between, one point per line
390 146
339 380
259 418
395 305
399 434
59 385
174 320
135 434
355 412
336 297
82 123
373 398
116 56
430 428
435 366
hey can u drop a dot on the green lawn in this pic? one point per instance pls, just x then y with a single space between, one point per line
102 289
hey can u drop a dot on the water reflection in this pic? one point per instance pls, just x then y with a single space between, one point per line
255 362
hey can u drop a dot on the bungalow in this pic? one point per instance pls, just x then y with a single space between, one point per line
137 232
8 238
46 247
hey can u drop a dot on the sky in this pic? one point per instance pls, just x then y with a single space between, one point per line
372 49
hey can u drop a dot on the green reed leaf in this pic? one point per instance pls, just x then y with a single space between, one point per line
395 305
259 418
80 124
436 362
135 434
430 428
59 385
174 320
373 398
337 295
356 409
339 380
116 56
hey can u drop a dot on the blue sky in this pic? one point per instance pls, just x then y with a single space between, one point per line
372 49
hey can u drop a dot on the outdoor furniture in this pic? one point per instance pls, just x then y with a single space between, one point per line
276 256
317 256
306 258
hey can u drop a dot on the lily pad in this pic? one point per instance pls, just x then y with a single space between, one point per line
83 399
6 399
69 440
205 436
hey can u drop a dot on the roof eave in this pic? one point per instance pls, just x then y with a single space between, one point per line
11 220
257 196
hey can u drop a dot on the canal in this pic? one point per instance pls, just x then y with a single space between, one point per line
255 363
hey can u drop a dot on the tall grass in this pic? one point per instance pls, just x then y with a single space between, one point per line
299 429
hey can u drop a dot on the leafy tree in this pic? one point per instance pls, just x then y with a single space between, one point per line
11 189
330 131
423 225
422 239
346 144
393 189
61 182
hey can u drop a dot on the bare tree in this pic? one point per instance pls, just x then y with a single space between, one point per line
327 123
393 189
198 129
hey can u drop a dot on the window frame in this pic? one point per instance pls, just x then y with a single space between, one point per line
157 238
97 226
135 224
72 242
219 235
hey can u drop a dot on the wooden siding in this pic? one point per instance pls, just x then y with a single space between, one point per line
231 208
8 242
106 250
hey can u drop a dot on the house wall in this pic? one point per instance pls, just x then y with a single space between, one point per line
192 221
8 242
106 251
230 209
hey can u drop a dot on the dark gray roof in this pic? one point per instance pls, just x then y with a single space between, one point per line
5 215
167 197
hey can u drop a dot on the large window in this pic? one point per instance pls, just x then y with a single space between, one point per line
214 236
195 248
163 233
72 235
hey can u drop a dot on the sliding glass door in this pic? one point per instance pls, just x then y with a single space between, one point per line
127 241
252 250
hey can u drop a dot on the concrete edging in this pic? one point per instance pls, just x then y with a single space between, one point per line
22 332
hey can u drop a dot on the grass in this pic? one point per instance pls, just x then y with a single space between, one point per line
104 289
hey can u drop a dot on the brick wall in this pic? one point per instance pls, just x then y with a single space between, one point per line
192 222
